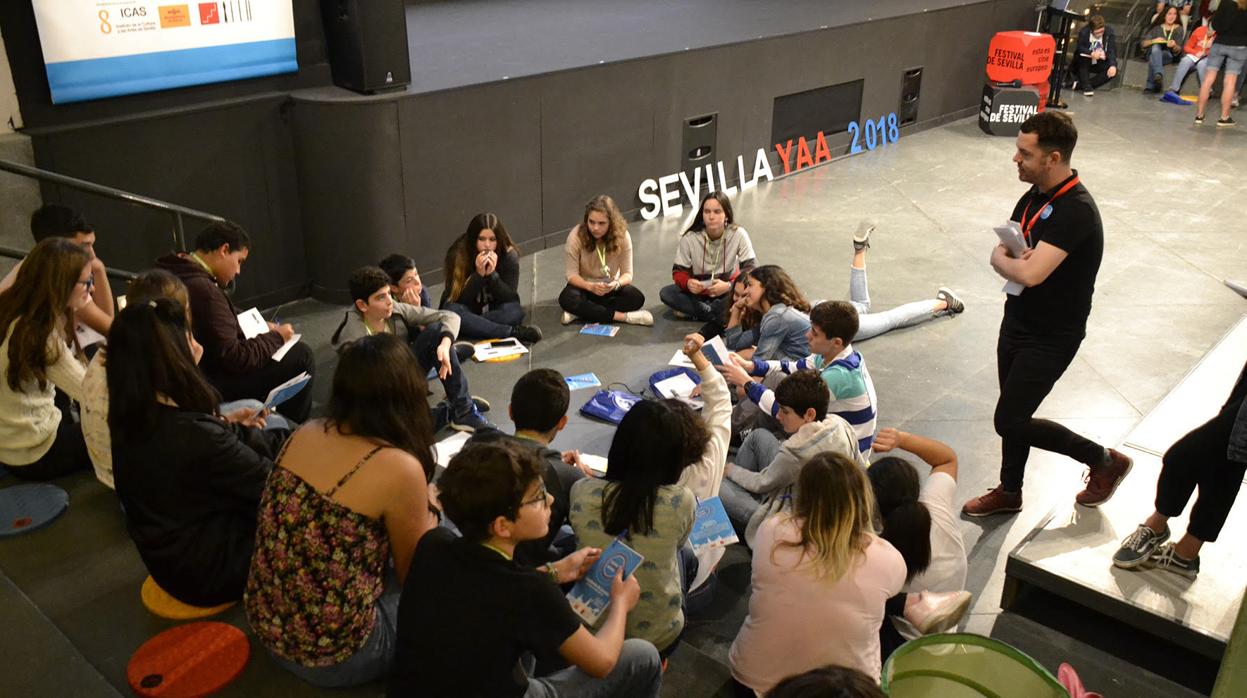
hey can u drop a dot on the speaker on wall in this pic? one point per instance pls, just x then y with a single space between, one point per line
367 42
911 90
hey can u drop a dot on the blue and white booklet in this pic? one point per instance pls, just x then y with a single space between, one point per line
582 380
592 594
711 527
286 390
600 329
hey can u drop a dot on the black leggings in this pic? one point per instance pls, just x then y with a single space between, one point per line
595 308
1199 460
68 452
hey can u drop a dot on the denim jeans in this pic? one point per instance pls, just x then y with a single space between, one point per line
699 308
756 452
372 660
424 346
874 324
1184 67
1228 58
1157 58
494 323
637 673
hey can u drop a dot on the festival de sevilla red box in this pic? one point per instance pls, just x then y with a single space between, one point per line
1020 55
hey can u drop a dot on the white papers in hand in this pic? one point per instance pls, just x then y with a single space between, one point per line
281 351
286 390
679 387
596 463
1011 237
252 323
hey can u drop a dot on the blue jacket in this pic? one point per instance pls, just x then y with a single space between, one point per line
781 334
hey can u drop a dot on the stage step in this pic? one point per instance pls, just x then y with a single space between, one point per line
1069 553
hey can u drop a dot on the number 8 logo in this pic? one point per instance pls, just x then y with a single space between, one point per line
894 132
105 27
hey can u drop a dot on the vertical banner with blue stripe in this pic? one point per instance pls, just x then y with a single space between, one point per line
105 48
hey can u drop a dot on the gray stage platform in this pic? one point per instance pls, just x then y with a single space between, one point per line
1069 553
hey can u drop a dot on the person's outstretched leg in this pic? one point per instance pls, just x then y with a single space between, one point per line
1205 90
859 291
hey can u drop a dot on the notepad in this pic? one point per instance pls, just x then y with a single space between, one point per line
592 594
595 463
498 348
679 387
448 447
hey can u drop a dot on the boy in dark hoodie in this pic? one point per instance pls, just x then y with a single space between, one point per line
238 367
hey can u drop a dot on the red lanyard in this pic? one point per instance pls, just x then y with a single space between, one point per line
1030 224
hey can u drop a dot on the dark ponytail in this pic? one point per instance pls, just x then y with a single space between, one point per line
906 521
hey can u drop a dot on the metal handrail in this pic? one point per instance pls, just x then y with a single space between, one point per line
175 211
14 253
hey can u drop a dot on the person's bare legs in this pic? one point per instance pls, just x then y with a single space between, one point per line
1205 89
1227 93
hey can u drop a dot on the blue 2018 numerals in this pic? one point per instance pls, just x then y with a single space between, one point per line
874 133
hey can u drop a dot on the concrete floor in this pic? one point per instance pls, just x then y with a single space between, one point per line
1171 196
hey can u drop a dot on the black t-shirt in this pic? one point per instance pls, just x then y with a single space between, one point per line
1061 304
466 616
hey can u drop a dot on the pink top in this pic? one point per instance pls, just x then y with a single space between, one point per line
799 621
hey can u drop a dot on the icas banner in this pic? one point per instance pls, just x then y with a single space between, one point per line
105 48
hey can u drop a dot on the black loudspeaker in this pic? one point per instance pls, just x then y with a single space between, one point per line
367 43
911 90
701 135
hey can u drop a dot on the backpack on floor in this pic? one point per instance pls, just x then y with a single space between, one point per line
610 405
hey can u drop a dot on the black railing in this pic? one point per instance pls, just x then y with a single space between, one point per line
15 253
176 213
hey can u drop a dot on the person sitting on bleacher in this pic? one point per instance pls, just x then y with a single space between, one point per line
41 368
188 480
1095 56
348 494
1162 44
238 367
51 220
1196 56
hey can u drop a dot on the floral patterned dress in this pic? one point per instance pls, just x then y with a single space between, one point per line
317 571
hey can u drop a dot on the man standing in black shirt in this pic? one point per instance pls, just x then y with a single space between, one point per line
1046 321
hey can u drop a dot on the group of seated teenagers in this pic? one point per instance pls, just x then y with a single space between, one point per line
1212 43
345 542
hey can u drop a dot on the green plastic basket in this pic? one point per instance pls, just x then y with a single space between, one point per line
962 665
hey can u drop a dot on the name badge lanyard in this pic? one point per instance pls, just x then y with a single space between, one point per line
1030 222
601 250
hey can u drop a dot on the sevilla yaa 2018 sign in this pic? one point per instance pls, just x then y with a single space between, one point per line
105 48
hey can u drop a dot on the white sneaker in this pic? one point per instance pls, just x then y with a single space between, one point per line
567 318
932 612
639 317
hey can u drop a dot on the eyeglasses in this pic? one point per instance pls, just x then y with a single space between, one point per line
542 497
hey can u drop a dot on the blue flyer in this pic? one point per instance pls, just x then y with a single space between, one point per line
592 594
711 527
582 380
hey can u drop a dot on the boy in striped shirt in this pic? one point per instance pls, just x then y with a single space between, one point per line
832 327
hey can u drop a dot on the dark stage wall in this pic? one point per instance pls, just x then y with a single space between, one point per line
327 180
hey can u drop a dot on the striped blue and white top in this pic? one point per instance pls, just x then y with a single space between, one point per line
852 391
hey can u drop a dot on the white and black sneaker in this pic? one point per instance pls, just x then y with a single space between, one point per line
956 306
1166 558
1139 546
861 239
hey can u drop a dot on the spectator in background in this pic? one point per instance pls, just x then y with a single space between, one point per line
54 221
1162 43
238 367
482 283
41 369
405 283
1229 52
1196 56
1095 58
1183 6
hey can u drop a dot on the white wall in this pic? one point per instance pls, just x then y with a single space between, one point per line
10 115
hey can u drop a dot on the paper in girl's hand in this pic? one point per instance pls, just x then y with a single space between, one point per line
592 594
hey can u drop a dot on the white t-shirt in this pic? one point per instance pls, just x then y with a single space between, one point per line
947 571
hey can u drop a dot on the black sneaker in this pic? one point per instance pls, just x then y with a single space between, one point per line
1139 546
1166 559
1227 121
481 403
464 350
1199 119
528 334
